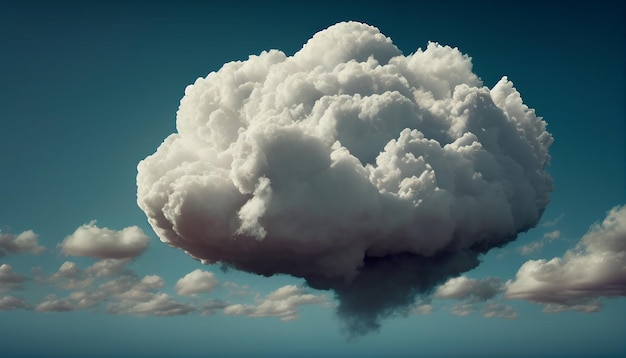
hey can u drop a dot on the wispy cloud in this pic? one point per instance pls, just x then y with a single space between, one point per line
552 235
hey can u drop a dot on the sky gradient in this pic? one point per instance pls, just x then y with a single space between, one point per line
88 91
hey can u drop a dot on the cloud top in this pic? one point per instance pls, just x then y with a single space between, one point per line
347 160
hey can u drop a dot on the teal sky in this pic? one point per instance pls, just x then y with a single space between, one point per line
87 90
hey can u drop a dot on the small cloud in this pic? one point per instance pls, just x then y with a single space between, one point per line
211 307
237 290
9 279
531 248
195 282
595 268
462 309
8 303
473 294
462 288
68 277
552 235
76 301
587 306
498 310
26 242
90 240
160 304
283 303
52 304
108 267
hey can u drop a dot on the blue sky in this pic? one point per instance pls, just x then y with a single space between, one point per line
88 91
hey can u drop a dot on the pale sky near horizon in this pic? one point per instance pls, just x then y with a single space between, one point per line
91 89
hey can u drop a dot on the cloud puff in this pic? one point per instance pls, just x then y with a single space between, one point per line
283 303
8 303
90 240
364 171
195 282
26 242
475 293
531 248
9 279
462 288
69 276
595 268
107 267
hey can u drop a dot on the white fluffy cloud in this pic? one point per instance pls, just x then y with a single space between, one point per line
283 303
90 240
595 268
25 242
197 281
349 157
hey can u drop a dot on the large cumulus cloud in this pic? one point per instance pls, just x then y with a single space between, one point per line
364 171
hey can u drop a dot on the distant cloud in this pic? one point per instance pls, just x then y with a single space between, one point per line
69 276
595 268
195 282
553 222
90 240
211 307
464 288
159 304
462 309
552 235
9 279
499 310
108 267
475 295
283 303
26 242
8 303
531 248
364 171
76 301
